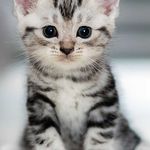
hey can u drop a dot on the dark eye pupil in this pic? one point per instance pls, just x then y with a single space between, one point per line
84 32
50 32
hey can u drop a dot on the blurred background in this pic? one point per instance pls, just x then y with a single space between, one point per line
130 57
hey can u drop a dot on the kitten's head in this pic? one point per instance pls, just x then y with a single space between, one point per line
65 34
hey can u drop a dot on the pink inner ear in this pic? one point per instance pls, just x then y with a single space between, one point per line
109 5
25 4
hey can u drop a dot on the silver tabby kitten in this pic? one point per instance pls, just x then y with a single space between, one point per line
72 99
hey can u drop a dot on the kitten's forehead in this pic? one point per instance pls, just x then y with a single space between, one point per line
67 7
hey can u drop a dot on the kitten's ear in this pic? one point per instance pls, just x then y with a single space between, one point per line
110 6
24 7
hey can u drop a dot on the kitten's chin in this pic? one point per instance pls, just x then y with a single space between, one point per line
68 65
66 59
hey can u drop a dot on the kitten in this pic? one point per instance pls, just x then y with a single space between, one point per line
72 98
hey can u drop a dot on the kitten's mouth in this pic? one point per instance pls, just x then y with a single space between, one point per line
66 58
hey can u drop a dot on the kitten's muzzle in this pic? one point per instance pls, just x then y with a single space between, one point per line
67 51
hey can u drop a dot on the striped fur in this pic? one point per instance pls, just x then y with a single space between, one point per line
72 100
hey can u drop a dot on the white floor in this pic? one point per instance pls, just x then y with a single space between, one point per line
133 78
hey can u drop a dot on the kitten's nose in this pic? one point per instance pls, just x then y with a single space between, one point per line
67 46
67 51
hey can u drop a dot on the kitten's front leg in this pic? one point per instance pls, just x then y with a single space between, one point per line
47 140
95 141
42 132
101 126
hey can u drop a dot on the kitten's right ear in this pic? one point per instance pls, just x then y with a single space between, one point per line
24 7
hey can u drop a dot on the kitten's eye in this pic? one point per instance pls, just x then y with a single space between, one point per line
84 32
50 32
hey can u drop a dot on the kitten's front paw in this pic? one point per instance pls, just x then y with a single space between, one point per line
50 140
95 141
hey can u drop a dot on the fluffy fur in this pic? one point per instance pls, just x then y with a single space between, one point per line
72 100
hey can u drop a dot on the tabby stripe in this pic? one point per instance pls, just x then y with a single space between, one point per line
67 10
107 135
93 95
27 31
105 31
79 2
44 123
55 3
96 141
104 124
40 141
80 79
106 103
30 29
48 89
109 87
41 97
40 88
108 121
110 116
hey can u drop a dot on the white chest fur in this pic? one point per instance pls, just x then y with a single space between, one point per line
72 107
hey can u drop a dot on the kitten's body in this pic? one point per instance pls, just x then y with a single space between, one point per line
72 99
